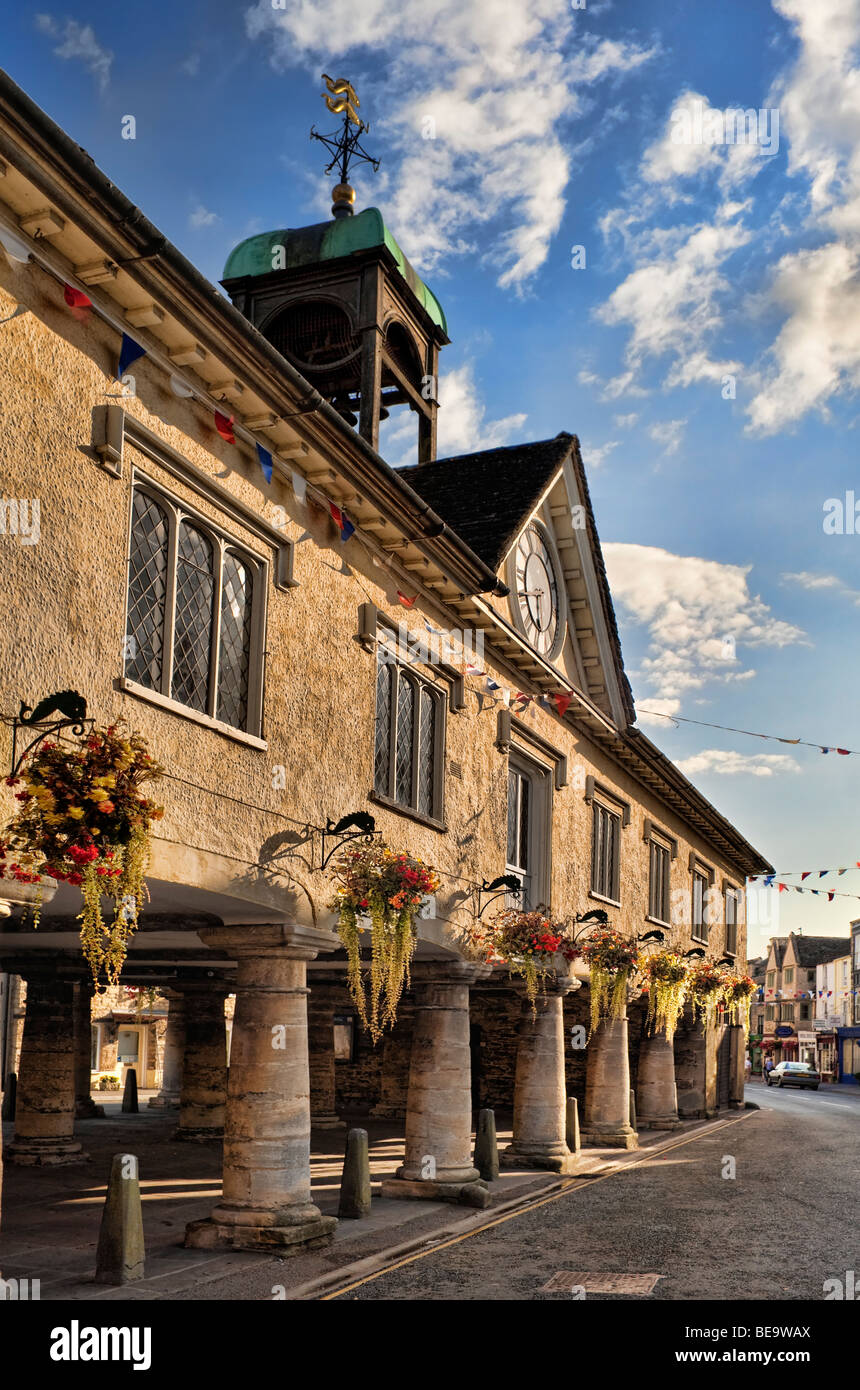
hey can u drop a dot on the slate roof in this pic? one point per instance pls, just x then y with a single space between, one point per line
486 497
818 950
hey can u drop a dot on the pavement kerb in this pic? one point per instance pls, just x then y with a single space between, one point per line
359 1270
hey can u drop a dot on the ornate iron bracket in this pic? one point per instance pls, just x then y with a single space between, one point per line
71 705
695 952
358 825
652 936
508 883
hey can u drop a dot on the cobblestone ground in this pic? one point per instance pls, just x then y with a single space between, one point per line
777 1230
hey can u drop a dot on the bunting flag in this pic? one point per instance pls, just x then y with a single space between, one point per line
406 600
677 719
15 248
804 874
300 487
816 892
265 461
128 353
474 671
562 700
76 299
178 387
342 521
224 426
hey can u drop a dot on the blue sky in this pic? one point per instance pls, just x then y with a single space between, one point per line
553 128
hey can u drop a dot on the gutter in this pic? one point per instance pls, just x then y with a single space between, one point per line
80 172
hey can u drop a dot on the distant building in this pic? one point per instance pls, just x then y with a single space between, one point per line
790 994
833 1010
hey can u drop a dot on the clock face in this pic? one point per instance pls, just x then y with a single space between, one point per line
537 590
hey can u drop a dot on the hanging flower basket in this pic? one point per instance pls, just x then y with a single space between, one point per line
738 998
708 984
387 888
612 959
523 941
83 819
665 977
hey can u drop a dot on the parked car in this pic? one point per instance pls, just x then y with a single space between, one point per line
794 1074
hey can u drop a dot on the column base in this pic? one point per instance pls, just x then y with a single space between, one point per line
197 1136
160 1102
288 1232
611 1137
331 1121
86 1109
474 1193
658 1122
44 1153
552 1159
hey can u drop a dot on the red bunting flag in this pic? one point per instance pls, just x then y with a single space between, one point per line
830 897
806 875
406 600
224 426
781 887
844 751
562 700
76 299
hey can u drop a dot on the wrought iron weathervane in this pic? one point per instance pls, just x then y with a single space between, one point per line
344 145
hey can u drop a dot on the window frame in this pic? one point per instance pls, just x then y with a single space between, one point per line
731 894
602 808
415 673
539 848
223 543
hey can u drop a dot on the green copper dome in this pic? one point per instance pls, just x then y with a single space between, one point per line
327 241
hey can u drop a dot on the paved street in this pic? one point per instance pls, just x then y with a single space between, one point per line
779 1229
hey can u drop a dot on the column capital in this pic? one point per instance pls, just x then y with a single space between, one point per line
448 972
290 939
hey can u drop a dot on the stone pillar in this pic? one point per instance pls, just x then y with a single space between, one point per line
607 1088
438 1162
204 1064
540 1120
266 1202
174 1050
321 1062
85 1106
691 1068
737 1076
45 1114
656 1091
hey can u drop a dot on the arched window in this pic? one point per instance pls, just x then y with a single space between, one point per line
192 602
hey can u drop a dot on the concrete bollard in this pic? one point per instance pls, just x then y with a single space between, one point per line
572 1125
633 1110
486 1146
129 1095
120 1255
355 1183
9 1096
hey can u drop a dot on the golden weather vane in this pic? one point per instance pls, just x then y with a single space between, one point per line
344 144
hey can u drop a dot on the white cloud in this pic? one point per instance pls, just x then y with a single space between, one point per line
625 422
669 433
494 82
191 65
729 763
805 580
697 612
202 217
594 455
78 41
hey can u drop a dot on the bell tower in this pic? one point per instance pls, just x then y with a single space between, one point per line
342 303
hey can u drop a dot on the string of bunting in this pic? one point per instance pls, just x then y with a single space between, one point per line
772 881
677 719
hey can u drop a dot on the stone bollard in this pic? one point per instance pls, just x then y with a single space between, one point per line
355 1183
8 1112
486 1158
120 1255
572 1126
129 1095
632 1109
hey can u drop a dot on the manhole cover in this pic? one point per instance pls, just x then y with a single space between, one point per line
566 1281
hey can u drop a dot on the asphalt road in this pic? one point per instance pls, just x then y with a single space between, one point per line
781 1226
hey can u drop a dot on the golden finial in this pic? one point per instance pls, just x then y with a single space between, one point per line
344 145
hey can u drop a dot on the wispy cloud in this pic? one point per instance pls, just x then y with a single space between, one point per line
668 433
78 41
202 217
729 763
803 579
463 426
477 98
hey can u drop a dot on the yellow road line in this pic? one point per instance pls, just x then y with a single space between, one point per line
573 1185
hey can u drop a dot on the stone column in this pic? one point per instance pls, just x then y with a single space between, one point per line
539 1088
737 1077
45 1114
85 1106
174 1050
321 1062
656 1091
204 1064
691 1068
438 1162
607 1088
266 1202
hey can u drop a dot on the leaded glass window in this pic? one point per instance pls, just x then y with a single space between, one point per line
191 607
408 737
606 841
